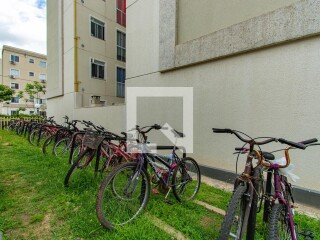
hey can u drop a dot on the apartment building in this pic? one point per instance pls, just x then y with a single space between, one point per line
86 53
20 67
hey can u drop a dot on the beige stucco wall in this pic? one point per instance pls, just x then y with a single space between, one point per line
213 15
268 92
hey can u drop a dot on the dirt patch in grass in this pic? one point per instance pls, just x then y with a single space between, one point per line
42 230
206 222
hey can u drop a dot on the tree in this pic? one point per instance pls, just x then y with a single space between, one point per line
33 90
5 93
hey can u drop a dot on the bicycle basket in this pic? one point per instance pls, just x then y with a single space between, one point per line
92 139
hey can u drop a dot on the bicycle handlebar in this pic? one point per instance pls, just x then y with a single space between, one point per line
312 140
252 141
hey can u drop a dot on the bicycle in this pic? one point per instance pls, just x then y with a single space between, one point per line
125 192
279 207
240 219
99 144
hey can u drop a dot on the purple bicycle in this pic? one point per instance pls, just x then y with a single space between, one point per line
240 218
279 206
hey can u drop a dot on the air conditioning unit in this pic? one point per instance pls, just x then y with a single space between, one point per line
13 62
12 76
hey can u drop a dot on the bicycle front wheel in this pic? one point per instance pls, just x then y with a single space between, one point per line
61 148
123 194
186 180
233 220
279 225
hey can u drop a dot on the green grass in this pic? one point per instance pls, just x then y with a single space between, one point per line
34 204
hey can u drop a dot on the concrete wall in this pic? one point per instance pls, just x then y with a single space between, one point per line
213 15
111 117
267 92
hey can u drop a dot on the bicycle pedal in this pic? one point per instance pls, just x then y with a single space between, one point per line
307 234
168 201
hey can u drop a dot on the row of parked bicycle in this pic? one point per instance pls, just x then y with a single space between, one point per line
130 170
127 164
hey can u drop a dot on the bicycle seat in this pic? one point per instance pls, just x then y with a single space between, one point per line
178 134
268 156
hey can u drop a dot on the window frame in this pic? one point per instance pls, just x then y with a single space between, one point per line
120 83
44 63
15 97
93 61
16 84
31 60
41 74
13 112
14 60
123 13
123 49
14 74
98 22
31 75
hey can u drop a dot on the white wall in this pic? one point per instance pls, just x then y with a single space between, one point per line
270 92
111 117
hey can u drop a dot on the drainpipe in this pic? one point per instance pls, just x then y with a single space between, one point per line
76 82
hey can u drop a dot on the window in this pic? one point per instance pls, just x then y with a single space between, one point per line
14 112
43 77
14 58
14 85
31 74
15 100
97 69
121 12
31 60
121 46
31 100
31 112
14 72
97 28
43 64
42 101
121 76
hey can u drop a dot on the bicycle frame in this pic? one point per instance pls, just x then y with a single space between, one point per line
280 184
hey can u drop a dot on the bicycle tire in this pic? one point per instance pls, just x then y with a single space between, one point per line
60 149
238 199
75 165
32 136
48 142
278 216
44 136
184 188
110 201
251 227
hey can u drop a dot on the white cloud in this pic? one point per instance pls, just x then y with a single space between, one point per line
23 24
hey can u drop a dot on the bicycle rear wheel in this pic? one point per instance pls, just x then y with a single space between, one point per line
123 194
233 220
186 179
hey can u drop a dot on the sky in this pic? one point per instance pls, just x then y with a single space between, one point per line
23 24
